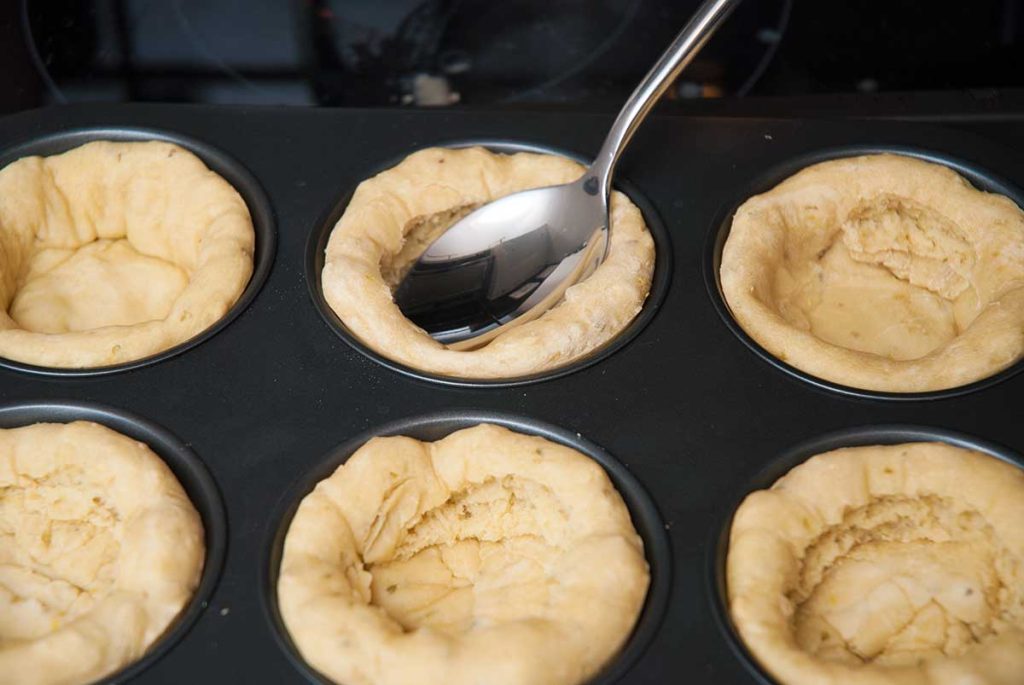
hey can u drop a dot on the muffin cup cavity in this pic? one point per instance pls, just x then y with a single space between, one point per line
219 162
432 427
190 472
780 465
659 284
719 233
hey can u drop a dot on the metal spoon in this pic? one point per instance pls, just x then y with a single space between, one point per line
510 260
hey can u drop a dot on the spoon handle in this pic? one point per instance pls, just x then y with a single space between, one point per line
689 41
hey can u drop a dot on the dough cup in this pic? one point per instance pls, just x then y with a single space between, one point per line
658 287
780 466
644 516
212 295
986 343
194 478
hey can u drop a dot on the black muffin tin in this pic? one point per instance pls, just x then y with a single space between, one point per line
685 412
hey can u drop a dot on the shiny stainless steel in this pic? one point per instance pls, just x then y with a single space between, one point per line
510 260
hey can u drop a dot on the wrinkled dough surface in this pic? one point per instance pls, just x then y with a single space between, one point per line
914 573
104 283
100 549
62 543
885 285
480 558
904 578
487 555
873 272
113 252
395 215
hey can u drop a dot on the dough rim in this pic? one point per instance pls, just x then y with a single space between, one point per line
993 342
592 313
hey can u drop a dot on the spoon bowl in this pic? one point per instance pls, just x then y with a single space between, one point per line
509 261
506 262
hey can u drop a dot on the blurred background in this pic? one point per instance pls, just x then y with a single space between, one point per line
485 53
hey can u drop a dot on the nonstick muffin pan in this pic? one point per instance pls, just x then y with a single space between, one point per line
683 413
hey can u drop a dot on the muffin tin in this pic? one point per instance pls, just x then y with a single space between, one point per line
679 411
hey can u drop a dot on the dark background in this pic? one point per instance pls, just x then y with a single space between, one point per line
469 53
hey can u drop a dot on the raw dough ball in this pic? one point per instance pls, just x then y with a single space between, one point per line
395 215
100 549
885 565
488 556
116 251
880 272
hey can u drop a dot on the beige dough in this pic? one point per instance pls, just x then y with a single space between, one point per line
116 251
880 272
884 565
100 549
394 216
486 557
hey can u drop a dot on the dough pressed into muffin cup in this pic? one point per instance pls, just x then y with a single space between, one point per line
884 565
487 556
880 272
113 252
100 551
395 215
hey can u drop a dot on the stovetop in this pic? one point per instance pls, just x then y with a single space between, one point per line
578 53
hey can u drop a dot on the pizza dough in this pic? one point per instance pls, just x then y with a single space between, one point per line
116 251
880 272
395 215
884 565
486 557
100 549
